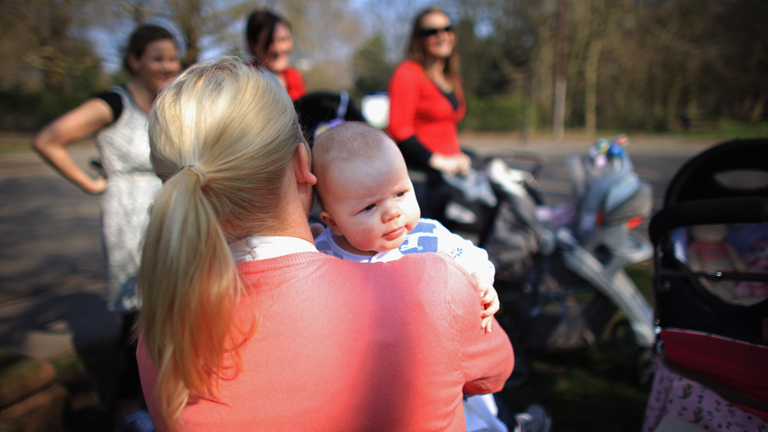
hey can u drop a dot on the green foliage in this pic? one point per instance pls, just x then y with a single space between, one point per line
494 114
370 67
21 111
75 78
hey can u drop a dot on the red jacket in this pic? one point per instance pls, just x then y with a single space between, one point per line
419 108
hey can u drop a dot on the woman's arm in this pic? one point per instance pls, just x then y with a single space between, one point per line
295 81
404 91
79 123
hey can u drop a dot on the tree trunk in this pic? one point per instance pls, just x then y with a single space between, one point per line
672 99
657 98
542 77
590 86
560 69
693 103
758 108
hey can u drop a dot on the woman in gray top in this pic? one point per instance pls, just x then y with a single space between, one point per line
118 118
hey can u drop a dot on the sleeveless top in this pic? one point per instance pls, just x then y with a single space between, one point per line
131 188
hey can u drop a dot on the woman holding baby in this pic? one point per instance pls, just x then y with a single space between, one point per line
280 336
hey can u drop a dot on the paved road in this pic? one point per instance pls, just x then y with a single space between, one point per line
51 265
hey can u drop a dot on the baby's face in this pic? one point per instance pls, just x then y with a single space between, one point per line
372 204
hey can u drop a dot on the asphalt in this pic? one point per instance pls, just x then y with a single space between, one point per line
52 304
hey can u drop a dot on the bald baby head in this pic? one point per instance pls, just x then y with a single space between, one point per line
350 144
364 188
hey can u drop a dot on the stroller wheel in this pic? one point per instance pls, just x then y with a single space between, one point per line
520 375
623 338
646 366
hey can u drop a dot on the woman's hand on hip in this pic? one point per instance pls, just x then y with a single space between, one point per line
50 143
96 187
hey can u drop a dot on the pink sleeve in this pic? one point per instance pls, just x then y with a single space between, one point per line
403 97
487 360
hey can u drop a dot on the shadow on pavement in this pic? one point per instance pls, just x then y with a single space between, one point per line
77 333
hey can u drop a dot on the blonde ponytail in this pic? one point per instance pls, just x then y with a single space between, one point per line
222 136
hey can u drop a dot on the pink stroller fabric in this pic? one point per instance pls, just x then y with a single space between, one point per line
711 382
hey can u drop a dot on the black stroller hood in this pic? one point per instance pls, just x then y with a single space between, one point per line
696 197
696 179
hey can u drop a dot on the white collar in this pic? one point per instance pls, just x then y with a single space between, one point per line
265 247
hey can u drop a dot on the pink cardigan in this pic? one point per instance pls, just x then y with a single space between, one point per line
353 347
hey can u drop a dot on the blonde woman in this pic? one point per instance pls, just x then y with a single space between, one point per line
246 326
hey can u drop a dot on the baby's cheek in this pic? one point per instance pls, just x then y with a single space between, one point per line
361 239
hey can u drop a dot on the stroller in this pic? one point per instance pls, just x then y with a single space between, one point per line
560 270
711 285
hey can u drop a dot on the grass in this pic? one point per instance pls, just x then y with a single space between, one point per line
725 130
11 143
590 389
715 131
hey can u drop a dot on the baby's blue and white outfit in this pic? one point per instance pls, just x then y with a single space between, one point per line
429 235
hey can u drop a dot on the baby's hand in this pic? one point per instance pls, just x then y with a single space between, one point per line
488 298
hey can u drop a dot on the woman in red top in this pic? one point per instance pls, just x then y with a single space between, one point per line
426 105
269 39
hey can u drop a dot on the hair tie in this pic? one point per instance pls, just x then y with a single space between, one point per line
200 173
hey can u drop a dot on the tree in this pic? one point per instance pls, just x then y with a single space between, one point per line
370 66
43 45
204 22
326 34
603 22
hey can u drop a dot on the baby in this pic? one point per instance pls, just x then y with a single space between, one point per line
370 208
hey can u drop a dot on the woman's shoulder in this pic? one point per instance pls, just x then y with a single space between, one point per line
409 67
439 268
292 73
114 97
408 73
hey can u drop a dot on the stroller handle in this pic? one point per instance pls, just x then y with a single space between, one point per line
535 162
707 212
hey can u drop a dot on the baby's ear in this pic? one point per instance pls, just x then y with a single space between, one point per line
330 222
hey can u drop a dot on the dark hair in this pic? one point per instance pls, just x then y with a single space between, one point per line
259 21
416 48
141 38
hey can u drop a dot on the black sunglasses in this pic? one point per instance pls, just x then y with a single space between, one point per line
433 31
